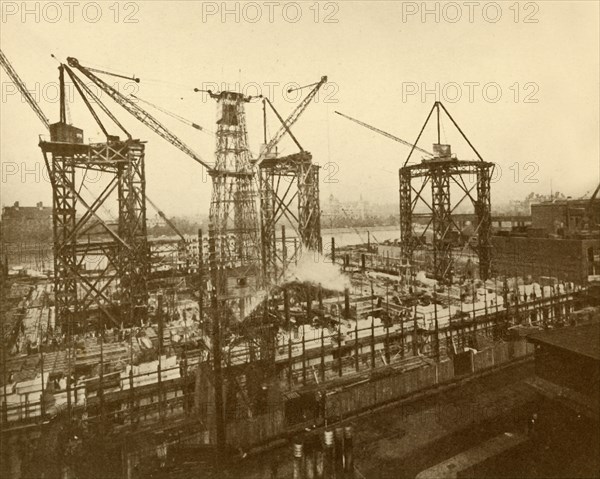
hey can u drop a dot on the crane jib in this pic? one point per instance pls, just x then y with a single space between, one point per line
139 113
289 122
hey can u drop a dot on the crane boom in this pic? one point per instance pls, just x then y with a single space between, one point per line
21 86
285 127
164 217
139 113
384 133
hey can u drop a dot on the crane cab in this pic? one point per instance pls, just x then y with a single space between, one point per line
64 133
441 152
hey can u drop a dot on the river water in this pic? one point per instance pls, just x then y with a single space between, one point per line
351 236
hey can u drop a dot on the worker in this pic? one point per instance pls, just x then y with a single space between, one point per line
532 425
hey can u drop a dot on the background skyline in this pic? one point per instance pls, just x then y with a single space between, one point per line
381 59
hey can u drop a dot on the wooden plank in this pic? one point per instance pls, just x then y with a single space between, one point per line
476 455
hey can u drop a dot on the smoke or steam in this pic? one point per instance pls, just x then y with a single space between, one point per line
254 302
314 268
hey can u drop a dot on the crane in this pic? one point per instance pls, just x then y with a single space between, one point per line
384 133
291 119
21 86
139 113
82 87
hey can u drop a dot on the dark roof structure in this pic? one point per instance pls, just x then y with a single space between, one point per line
583 340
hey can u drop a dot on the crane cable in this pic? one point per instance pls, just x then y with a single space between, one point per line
132 77
174 115
353 227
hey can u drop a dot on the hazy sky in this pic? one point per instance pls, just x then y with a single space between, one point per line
521 81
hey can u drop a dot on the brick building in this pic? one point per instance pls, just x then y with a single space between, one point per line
564 217
570 259
26 224
563 241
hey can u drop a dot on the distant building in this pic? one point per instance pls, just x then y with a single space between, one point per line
155 221
339 214
561 242
570 259
26 224
334 208
565 217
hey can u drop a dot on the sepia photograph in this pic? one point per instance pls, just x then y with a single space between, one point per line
352 239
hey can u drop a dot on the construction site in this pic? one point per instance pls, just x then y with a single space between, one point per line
202 356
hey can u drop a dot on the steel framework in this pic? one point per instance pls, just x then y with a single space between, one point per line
116 285
441 172
118 288
233 214
278 176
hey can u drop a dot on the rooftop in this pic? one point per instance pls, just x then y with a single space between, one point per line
583 340
566 201
18 210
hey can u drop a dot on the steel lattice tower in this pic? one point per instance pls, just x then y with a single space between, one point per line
118 288
440 194
441 171
233 208
309 210
483 211
278 176
134 250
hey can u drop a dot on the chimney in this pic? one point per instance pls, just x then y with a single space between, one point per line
40 205
17 205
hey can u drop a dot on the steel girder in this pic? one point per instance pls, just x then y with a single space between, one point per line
440 208
309 212
406 231
64 201
134 259
268 200
483 210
